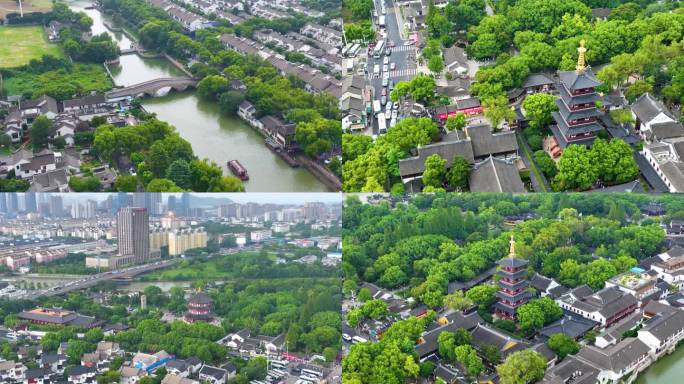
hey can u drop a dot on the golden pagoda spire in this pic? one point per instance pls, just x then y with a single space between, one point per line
511 253
581 60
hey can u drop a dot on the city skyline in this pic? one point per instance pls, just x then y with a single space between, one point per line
250 197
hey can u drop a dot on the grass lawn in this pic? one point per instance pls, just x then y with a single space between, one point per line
22 44
11 6
59 84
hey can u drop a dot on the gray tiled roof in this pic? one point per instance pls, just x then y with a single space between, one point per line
666 130
573 80
571 369
495 175
456 320
573 326
540 283
617 357
674 171
446 150
486 143
536 80
646 107
483 335
665 325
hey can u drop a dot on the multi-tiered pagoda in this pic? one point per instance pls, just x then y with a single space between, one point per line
577 115
200 308
512 285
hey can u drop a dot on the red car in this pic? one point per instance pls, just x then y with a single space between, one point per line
391 44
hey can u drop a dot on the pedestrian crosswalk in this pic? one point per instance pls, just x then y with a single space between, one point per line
403 72
397 73
403 48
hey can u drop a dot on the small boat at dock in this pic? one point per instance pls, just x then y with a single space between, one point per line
238 170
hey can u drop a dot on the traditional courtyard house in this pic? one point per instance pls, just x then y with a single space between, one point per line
616 332
475 144
87 105
571 370
44 105
483 335
543 284
662 332
606 306
571 325
282 134
179 368
79 374
427 344
53 181
495 175
131 375
455 61
670 267
653 120
38 376
54 362
538 82
618 361
11 371
213 375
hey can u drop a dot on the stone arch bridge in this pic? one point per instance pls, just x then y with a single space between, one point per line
152 88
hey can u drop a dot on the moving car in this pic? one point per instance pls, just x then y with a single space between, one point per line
393 66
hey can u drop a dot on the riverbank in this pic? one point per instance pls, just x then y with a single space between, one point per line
221 138
667 370
211 134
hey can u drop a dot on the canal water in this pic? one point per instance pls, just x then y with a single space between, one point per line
212 135
668 370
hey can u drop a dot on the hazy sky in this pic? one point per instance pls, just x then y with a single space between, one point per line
256 197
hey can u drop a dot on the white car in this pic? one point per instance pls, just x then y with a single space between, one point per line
346 337
395 113
385 68
385 60
393 66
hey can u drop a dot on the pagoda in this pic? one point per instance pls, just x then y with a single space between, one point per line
577 115
200 308
513 285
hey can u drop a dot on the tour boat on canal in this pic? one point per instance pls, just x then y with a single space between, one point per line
238 170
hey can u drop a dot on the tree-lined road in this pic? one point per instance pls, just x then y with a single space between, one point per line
93 280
